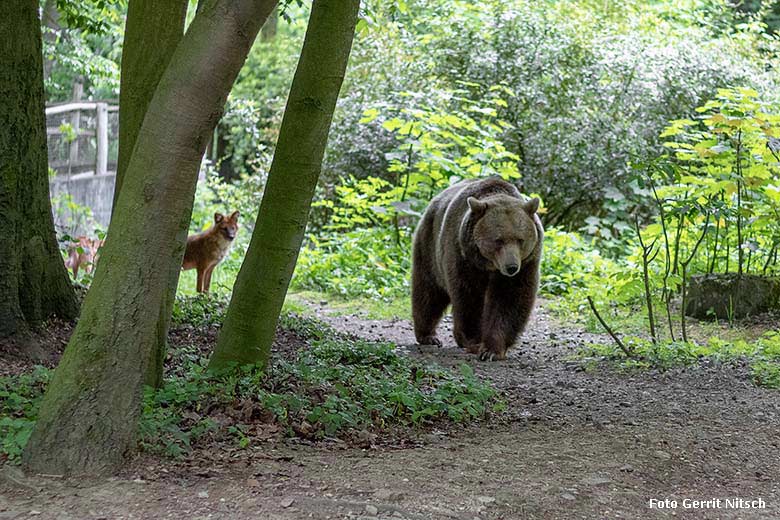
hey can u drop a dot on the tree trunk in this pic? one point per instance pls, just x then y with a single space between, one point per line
153 30
88 418
34 284
262 283
51 20
268 32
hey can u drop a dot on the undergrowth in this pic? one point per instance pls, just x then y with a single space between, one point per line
330 386
763 355
334 387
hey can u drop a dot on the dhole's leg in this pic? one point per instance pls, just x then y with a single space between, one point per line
201 276
207 281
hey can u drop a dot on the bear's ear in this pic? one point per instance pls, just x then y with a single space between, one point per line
218 217
477 206
531 206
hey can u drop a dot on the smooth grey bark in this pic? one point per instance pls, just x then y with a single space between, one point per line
259 291
88 418
34 284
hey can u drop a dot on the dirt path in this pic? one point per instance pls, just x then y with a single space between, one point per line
573 444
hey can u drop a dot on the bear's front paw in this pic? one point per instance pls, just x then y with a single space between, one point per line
429 340
489 355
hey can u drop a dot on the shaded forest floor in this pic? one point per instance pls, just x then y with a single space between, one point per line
573 443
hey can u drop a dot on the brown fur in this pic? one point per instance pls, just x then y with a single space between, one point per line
83 252
478 247
205 250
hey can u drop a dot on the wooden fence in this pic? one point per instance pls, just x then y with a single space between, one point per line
83 140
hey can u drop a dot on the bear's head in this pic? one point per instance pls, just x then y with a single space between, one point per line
504 231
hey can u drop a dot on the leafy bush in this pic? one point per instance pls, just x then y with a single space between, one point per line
570 262
360 263
722 179
593 86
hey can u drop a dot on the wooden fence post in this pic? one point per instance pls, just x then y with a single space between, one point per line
75 123
101 166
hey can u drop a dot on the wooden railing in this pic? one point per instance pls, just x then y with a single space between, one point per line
100 130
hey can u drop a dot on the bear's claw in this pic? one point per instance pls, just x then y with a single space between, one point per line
430 340
491 356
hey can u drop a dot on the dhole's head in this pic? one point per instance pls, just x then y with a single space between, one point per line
227 226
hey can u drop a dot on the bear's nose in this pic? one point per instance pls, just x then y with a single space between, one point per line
511 269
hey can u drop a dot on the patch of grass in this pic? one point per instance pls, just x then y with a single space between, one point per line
199 310
20 397
766 374
763 354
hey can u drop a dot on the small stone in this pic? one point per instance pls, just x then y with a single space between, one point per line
253 482
287 502
388 495
596 481
568 496
486 500
371 510
628 468
203 494
34 512
662 454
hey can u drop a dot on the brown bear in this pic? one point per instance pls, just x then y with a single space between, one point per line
478 247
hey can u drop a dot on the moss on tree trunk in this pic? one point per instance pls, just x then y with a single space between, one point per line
262 282
88 418
34 284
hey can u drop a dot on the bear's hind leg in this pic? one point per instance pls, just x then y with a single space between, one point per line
428 304
467 304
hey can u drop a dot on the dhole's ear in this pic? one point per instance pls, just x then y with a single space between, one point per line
477 206
531 206
218 217
234 216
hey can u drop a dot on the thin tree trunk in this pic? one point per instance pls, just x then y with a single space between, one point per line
51 20
259 291
268 32
153 30
88 418
34 284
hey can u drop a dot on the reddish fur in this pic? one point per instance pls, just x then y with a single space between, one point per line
86 258
457 258
206 250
